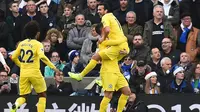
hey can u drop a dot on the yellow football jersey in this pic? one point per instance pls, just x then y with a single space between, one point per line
27 56
116 31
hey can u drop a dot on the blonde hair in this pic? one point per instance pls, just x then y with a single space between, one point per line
53 30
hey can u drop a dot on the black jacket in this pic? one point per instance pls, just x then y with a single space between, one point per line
65 88
79 67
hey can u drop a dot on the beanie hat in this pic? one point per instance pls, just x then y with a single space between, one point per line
72 54
178 70
149 75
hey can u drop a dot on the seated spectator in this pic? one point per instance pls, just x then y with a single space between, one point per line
152 85
187 65
154 62
89 46
171 10
126 66
57 42
7 59
5 86
55 59
157 28
47 47
66 21
137 81
74 65
60 87
131 28
138 49
188 37
78 34
168 51
179 84
195 81
165 75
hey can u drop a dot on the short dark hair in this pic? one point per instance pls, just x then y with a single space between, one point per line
44 2
98 28
11 3
185 14
31 29
106 6
137 34
3 71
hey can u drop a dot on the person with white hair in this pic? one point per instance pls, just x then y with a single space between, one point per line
179 84
152 86
164 75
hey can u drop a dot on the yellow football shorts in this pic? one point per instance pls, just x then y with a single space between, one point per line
112 52
113 81
26 84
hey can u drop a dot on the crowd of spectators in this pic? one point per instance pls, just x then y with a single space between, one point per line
163 36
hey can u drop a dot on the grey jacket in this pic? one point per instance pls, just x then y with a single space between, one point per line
76 38
86 51
168 32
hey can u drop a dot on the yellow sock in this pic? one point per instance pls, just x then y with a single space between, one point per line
104 103
122 102
41 104
20 101
89 67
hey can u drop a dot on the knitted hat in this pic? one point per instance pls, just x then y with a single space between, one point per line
178 70
141 63
72 54
149 75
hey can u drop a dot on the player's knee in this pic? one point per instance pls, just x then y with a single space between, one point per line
108 94
126 91
43 94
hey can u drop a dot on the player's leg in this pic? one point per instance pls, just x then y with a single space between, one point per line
122 84
105 101
24 90
39 85
41 102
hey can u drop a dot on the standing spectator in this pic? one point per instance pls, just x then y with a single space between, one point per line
57 42
13 21
120 13
196 79
126 66
66 21
137 81
52 6
187 65
78 34
138 49
131 27
193 7
156 29
188 37
179 84
74 65
4 31
171 11
55 59
47 15
60 87
164 75
32 15
89 46
113 4
6 87
168 51
154 62
143 10
152 85
90 13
